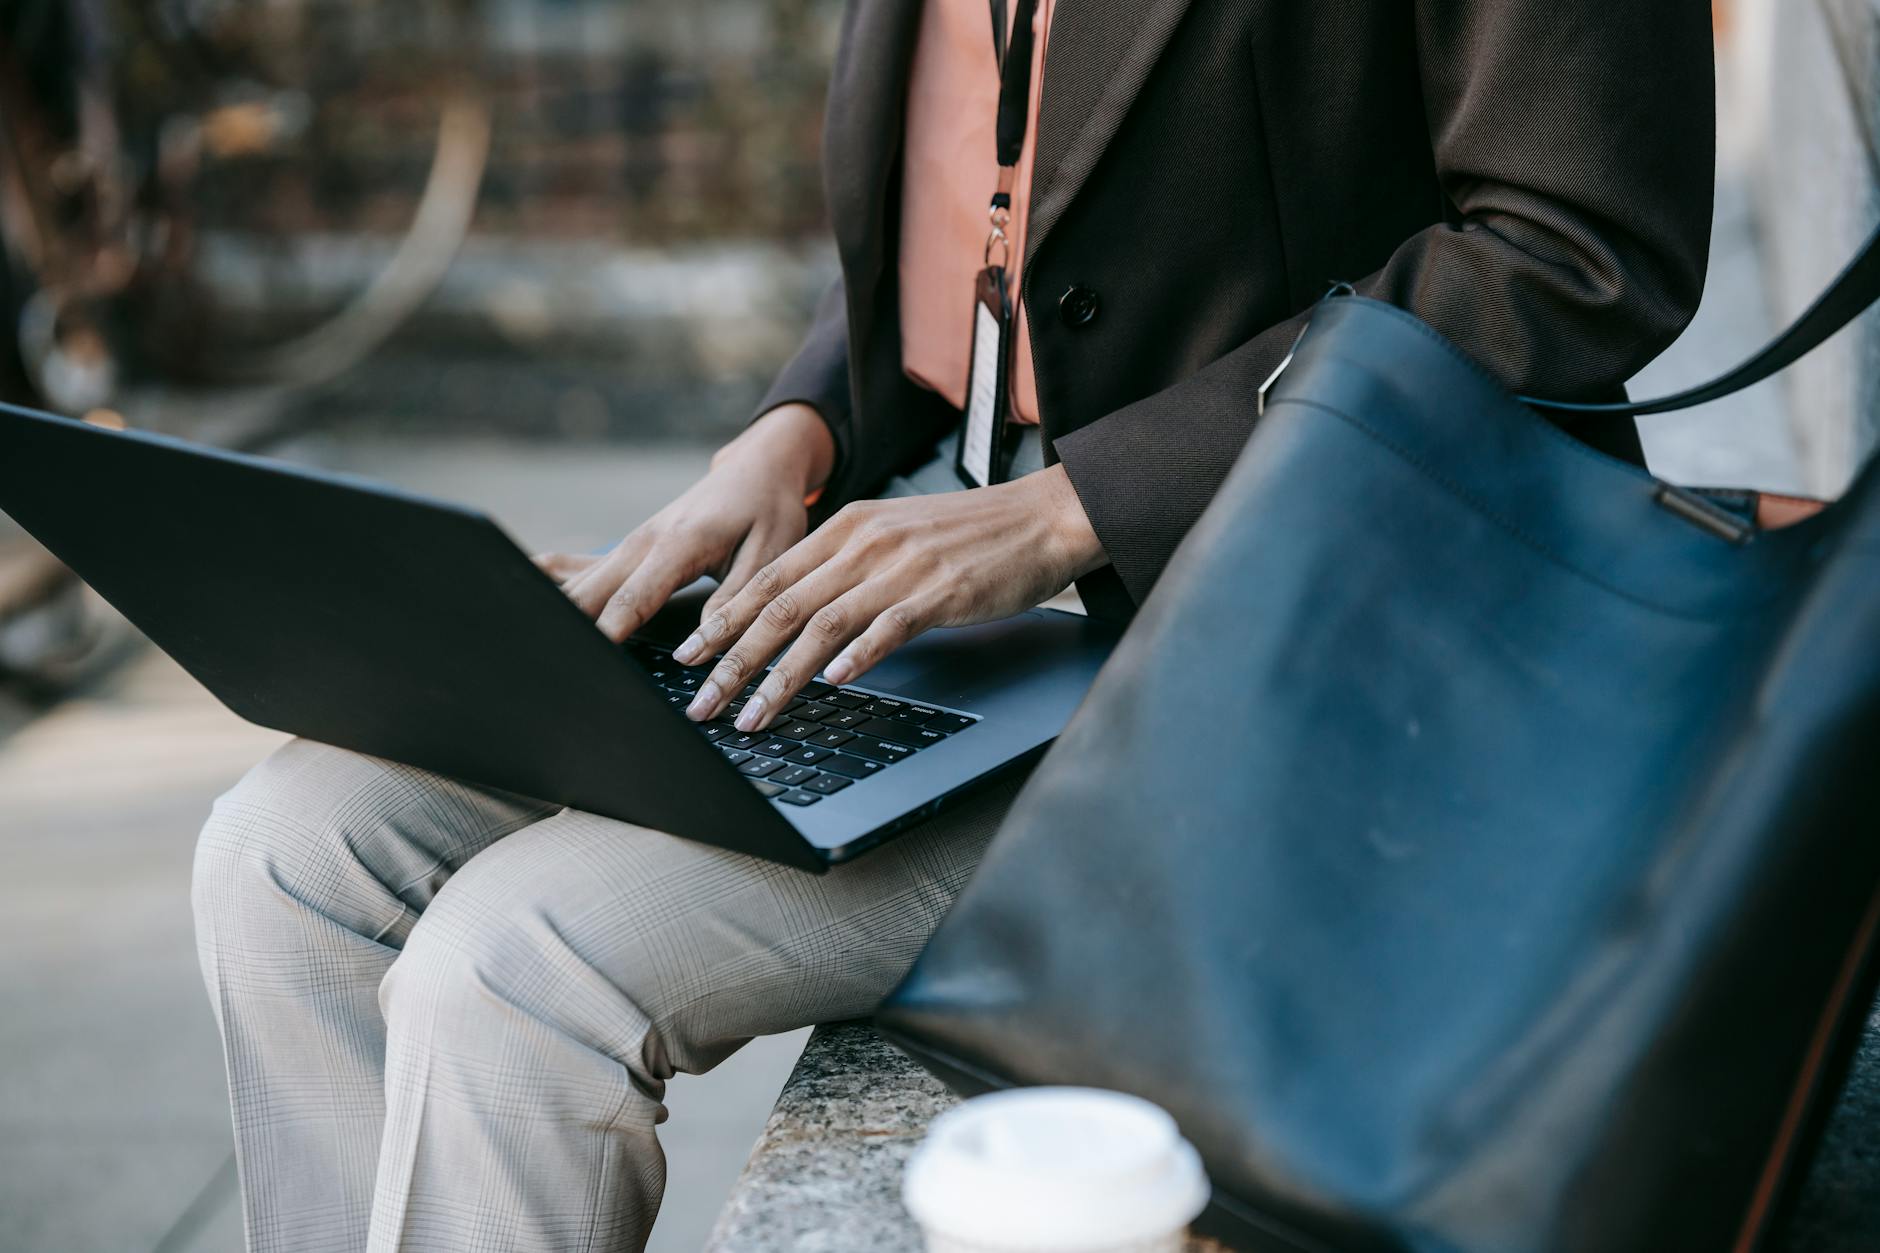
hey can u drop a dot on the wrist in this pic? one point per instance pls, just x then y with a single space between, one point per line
791 440
1070 526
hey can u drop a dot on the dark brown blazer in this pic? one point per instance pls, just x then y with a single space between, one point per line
1532 177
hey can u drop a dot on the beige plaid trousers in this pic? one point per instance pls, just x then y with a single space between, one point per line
449 1014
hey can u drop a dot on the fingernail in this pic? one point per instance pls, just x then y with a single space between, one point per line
689 652
838 671
703 701
752 716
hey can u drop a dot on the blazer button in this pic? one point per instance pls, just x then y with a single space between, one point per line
1077 306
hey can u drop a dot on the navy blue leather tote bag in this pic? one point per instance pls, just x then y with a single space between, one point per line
1474 841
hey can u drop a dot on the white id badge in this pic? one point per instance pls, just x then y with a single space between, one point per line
982 457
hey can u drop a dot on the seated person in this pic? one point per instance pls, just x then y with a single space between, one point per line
450 1014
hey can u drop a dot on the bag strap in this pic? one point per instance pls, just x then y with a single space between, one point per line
1850 295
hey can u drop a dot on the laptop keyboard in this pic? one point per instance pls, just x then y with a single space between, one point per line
829 739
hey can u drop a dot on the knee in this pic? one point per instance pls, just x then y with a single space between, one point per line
512 953
281 845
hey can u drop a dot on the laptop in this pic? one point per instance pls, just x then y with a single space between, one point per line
351 613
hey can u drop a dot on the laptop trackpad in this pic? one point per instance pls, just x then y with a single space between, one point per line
960 666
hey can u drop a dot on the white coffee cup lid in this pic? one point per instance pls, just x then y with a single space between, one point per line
1054 1168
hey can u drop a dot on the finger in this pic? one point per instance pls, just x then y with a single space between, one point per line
825 632
590 589
720 626
782 616
564 566
892 628
666 569
753 554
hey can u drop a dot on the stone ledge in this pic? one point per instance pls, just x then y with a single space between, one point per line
826 1172
825 1175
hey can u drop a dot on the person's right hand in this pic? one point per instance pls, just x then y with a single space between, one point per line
746 511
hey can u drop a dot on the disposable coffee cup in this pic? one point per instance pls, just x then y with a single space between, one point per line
1054 1170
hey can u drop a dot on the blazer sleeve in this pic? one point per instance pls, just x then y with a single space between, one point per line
818 375
1575 142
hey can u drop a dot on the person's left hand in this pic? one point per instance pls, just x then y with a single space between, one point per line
879 573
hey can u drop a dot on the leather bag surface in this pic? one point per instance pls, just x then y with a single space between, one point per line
1472 842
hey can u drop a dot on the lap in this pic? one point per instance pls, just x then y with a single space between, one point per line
711 946
722 944
363 842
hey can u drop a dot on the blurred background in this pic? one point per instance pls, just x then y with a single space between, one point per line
538 256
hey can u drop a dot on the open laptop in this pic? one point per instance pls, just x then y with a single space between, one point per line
367 618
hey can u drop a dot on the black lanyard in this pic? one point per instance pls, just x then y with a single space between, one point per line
1014 79
1014 61
985 450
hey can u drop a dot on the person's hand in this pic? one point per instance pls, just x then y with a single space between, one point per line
745 511
881 572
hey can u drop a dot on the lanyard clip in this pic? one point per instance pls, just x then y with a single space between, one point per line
1000 215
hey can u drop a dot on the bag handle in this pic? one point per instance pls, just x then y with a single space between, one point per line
1850 295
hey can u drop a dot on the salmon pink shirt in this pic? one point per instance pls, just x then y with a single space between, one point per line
950 171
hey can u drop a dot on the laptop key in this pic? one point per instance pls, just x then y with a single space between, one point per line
807 755
776 748
827 784
793 776
948 723
847 699
816 711
799 798
714 732
918 715
884 751
900 732
885 706
743 739
830 739
795 730
815 689
678 698
845 719
854 767
736 758
766 788
758 767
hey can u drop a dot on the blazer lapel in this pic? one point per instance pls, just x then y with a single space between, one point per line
863 127
1097 57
